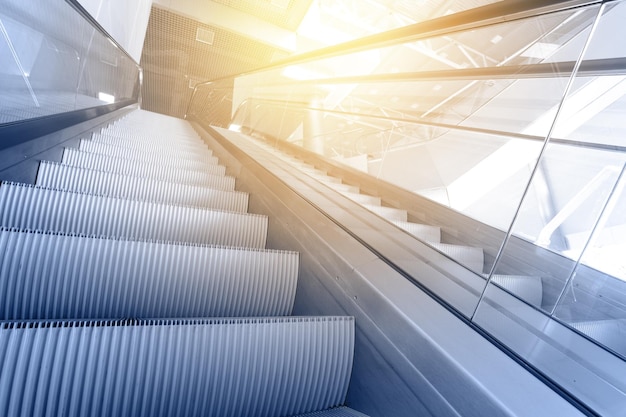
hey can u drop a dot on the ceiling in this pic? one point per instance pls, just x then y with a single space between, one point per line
189 42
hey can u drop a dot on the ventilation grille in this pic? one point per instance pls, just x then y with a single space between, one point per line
230 367
205 36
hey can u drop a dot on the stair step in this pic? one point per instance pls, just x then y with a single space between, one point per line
83 180
147 146
78 277
609 332
161 158
210 367
325 178
96 161
343 188
363 198
155 128
36 208
144 169
473 258
528 288
143 138
424 232
388 213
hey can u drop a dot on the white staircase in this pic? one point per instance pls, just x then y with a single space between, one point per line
133 282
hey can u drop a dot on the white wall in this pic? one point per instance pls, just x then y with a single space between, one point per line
125 20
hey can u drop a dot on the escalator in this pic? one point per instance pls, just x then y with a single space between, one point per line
134 282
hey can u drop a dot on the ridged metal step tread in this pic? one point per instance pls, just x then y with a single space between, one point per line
134 140
68 178
211 367
421 231
158 147
72 156
389 213
528 288
146 156
363 198
80 277
137 135
35 208
143 169
471 257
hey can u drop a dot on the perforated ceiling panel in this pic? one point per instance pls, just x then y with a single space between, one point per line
174 60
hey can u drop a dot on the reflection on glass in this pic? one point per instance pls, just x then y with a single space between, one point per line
54 61
462 120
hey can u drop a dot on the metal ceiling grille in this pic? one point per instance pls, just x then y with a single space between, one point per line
179 52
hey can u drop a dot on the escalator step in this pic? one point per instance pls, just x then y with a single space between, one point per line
83 180
209 367
123 166
161 158
200 152
35 208
52 276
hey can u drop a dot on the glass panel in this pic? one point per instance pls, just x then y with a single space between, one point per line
54 61
467 142
565 255
465 129
594 301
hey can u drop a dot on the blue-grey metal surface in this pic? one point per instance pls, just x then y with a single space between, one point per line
197 367
124 166
69 178
110 138
51 276
160 158
36 208
412 356
334 412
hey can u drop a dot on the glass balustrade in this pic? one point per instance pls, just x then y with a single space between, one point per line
53 60
516 127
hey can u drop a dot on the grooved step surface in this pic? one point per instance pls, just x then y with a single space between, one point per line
528 288
148 146
35 208
87 278
389 213
83 180
177 141
216 367
471 257
160 158
421 231
123 166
